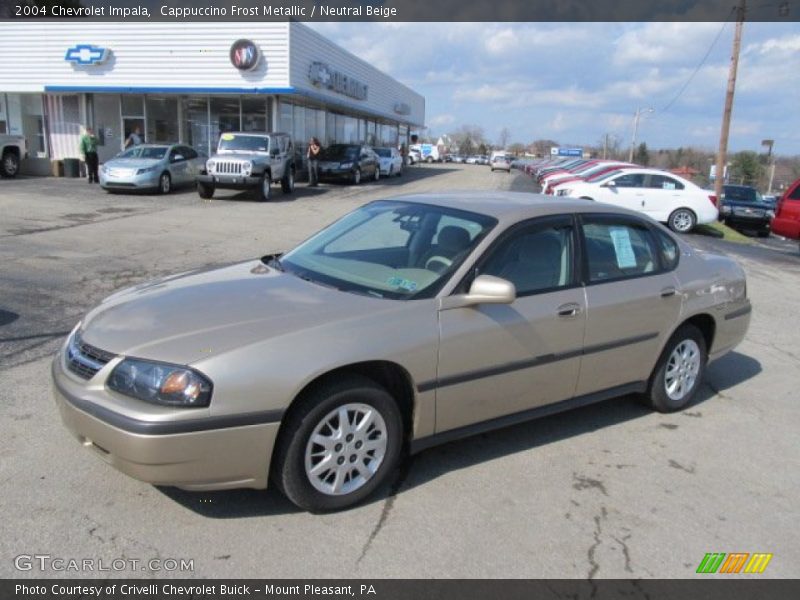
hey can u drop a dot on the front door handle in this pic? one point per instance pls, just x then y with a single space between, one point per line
667 292
569 310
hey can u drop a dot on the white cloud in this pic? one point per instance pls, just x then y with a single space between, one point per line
443 119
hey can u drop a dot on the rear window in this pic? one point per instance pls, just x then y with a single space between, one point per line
742 194
383 152
339 152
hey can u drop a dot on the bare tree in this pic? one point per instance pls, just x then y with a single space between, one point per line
502 140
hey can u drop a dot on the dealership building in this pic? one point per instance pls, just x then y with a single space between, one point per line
189 83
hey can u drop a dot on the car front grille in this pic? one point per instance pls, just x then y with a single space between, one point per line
84 359
227 168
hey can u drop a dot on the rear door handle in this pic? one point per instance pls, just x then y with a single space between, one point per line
667 292
569 310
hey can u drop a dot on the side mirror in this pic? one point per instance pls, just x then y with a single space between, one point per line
486 289
178 158
610 184
275 152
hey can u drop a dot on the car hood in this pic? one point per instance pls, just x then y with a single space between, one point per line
188 317
237 155
132 163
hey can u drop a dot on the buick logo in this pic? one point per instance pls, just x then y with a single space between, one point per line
245 55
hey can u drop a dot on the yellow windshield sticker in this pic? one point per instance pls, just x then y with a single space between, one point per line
227 137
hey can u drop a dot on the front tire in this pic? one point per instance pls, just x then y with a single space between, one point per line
164 183
340 442
205 190
9 165
679 371
264 189
682 220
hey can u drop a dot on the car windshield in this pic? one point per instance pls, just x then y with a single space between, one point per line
743 194
383 152
243 143
390 249
155 152
340 152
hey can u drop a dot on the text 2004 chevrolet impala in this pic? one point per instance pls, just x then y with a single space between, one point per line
406 323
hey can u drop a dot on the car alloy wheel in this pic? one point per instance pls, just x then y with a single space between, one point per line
345 449
682 220
683 367
164 183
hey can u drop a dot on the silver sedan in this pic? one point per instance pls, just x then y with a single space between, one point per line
407 323
159 167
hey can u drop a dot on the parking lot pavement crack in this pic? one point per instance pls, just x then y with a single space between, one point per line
388 504
625 551
81 223
677 465
582 483
594 566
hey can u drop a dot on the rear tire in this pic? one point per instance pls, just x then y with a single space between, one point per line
682 220
295 468
264 189
205 190
679 371
287 183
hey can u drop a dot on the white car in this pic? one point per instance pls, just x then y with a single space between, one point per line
659 194
391 161
414 157
601 167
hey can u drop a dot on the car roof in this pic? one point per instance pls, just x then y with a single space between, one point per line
509 207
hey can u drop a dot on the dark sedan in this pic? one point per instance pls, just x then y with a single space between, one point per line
349 162
742 207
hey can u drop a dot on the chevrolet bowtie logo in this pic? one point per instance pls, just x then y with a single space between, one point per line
86 54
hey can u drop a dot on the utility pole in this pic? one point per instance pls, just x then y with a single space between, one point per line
719 176
636 116
771 162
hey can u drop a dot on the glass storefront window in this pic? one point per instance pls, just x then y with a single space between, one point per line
255 114
224 117
24 115
162 119
285 117
3 117
132 105
194 127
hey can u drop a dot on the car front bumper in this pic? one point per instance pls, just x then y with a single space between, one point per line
201 459
110 180
336 174
232 182
746 222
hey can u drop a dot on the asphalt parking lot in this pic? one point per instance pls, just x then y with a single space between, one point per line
610 490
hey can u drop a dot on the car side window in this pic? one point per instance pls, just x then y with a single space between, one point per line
795 195
173 153
188 152
617 249
668 249
631 180
663 182
534 259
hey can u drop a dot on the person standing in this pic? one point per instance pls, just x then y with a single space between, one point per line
314 150
88 148
135 138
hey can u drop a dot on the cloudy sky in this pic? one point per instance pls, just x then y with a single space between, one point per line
575 82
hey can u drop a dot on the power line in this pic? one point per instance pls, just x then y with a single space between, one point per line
700 65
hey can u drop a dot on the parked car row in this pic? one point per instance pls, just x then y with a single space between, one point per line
243 161
662 195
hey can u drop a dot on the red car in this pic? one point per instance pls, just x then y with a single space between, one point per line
787 213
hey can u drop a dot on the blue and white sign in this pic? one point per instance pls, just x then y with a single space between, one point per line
86 54
567 151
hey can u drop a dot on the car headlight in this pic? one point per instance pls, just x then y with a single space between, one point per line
104 169
725 209
146 170
210 164
771 214
247 168
345 165
160 383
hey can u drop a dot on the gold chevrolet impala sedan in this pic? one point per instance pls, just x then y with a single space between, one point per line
407 323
